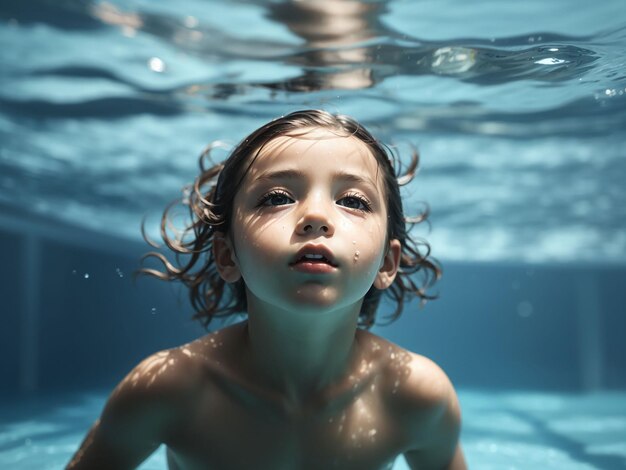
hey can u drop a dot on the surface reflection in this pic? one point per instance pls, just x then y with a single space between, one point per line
344 45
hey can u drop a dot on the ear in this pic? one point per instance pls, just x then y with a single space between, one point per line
225 259
389 266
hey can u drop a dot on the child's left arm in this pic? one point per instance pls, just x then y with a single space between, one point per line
138 415
437 421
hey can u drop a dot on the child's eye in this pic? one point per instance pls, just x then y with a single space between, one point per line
354 201
275 198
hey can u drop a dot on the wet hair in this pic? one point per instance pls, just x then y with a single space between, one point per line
210 206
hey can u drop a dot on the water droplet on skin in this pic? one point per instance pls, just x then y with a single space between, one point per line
354 242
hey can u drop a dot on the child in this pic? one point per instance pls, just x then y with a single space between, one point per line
303 231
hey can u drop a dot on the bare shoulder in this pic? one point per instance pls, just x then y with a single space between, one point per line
141 412
161 376
152 396
151 404
426 385
172 376
413 382
425 405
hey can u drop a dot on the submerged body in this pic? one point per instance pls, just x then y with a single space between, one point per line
204 403
311 231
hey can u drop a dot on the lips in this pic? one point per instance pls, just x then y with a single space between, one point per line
314 254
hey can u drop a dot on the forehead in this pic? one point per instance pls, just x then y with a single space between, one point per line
317 149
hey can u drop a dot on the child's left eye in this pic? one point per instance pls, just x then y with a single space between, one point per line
354 201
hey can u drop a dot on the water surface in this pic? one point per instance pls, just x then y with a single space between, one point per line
518 108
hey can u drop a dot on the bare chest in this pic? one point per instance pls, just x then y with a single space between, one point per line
238 432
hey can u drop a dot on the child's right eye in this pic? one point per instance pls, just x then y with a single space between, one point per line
275 198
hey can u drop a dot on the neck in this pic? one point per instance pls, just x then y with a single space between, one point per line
299 355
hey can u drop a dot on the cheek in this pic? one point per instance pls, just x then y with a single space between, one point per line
257 238
368 248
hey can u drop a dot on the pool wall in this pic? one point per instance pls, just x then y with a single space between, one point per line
73 319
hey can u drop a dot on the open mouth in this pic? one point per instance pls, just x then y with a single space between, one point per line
316 259
314 264
314 255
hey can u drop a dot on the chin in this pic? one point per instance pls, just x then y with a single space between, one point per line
313 302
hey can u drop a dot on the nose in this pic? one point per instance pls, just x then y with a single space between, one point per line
315 220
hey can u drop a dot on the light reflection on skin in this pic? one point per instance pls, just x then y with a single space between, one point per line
358 426
149 370
255 244
355 413
295 384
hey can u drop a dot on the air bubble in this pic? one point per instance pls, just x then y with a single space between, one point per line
453 60
86 275
156 65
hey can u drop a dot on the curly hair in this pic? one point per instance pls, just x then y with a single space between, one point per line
210 207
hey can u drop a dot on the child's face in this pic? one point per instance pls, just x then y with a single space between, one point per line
318 190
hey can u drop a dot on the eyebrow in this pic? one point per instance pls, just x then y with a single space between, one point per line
292 174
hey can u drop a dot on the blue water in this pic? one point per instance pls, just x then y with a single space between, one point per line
518 108
513 431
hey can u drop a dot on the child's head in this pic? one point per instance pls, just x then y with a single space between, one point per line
218 211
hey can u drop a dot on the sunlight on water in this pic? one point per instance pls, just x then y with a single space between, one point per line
518 110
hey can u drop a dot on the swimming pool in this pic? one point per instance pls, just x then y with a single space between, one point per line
512 430
519 113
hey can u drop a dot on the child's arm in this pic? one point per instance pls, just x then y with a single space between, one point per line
437 422
138 416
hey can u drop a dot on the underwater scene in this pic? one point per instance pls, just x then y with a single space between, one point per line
517 110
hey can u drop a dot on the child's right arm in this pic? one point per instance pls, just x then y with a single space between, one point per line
139 415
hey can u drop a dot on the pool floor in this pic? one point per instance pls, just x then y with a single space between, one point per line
501 430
